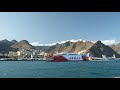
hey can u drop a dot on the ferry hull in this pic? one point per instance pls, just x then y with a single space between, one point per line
62 57
59 58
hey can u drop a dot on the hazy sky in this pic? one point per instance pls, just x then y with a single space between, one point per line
50 27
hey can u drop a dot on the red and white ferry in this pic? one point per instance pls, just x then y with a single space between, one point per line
69 57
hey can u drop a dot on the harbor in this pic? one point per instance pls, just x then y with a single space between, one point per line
76 69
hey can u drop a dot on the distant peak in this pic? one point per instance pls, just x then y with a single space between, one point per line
57 43
25 41
98 42
14 41
5 40
24 44
67 42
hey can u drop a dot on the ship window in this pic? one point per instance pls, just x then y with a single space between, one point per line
74 57
71 57
63 54
72 54
77 57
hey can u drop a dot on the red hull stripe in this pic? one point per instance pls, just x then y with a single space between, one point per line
59 58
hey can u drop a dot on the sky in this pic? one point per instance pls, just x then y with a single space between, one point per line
51 27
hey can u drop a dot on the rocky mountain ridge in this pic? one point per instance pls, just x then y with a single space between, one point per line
95 49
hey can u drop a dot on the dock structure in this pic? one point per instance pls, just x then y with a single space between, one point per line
22 59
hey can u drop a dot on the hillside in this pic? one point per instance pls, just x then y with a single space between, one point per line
5 46
95 49
98 49
68 46
24 44
42 48
116 48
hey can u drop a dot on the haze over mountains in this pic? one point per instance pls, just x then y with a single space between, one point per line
96 49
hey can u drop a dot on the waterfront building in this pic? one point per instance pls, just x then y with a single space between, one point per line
12 54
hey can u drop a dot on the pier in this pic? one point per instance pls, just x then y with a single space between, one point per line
22 59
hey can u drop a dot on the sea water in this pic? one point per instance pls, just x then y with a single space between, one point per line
44 69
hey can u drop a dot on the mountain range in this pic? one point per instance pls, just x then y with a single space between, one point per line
5 46
95 49
72 47
98 49
24 44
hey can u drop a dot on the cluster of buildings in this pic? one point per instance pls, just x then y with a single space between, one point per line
26 54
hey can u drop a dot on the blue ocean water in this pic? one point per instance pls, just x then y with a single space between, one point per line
43 69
